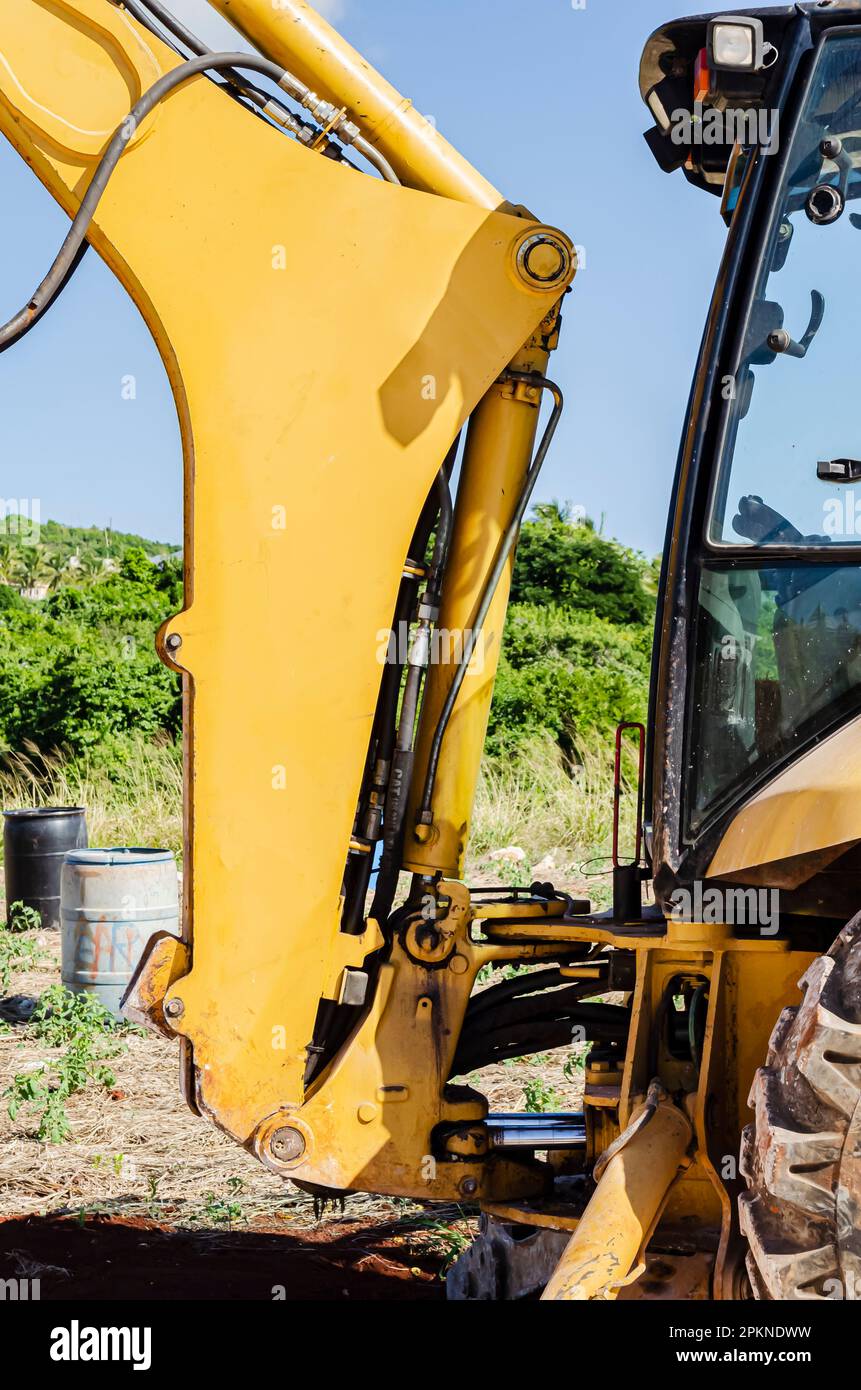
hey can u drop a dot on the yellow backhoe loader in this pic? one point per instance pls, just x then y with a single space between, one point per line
352 318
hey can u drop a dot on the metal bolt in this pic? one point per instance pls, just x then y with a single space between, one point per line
427 939
173 642
286 1145
824 205
544 260
174 1008
468 1187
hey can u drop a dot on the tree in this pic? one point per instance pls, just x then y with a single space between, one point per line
569 674
32 569
8 561
137 566
56 569
91 568
567 562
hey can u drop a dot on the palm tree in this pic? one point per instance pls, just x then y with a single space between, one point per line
8 561
91 567
31 570
56 569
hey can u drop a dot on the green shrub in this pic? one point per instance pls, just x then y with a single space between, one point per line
81 666
572 565
566 673
10 598
20 917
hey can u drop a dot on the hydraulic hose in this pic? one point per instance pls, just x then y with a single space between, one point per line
506 546
267 105
47 291
444 525
144 11
373 156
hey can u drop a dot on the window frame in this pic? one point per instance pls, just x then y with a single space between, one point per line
704 551
759 255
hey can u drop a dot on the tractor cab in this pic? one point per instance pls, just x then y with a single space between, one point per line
756 694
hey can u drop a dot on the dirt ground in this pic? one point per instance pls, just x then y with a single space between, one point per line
142 1196
119 1258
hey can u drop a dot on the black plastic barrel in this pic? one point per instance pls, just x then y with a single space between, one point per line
34 845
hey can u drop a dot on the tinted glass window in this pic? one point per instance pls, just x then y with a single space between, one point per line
777 657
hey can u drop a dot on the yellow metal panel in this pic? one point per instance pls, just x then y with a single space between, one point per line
813 806
326 335
623 1210
106 89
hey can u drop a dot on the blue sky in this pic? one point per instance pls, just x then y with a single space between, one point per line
543 99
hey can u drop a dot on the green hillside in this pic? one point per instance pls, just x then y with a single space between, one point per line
78 670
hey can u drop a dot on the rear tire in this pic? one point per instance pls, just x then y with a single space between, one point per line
801 1157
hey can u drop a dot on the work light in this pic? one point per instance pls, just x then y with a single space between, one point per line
658 110
736 42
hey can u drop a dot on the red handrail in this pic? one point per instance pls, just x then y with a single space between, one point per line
617 791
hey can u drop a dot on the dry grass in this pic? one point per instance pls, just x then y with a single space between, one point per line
535 801
560 815
137 1149
138 803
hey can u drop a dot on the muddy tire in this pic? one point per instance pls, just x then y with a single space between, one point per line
801 1157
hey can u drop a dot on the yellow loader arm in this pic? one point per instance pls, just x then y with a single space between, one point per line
327 335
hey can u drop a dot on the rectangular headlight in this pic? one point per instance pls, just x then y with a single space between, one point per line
736 43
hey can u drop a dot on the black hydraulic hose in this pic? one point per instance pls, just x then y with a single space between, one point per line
191 41
444 525
170 22
506 546
297 89
437 510
600 1023
358 875
53 282
75 262
525 984
429 600
554 1005
386 729
140 14
145 11
357 879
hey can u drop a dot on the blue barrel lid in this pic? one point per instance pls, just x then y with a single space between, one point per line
119 858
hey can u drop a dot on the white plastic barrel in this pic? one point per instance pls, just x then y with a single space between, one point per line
111 903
